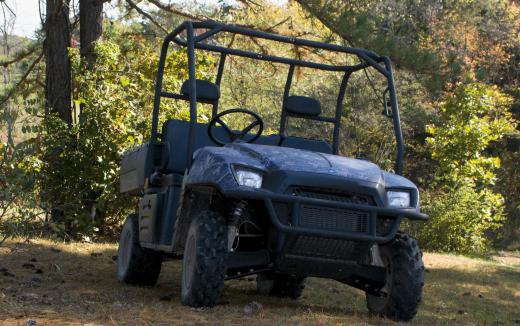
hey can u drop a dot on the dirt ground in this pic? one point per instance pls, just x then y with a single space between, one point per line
74 284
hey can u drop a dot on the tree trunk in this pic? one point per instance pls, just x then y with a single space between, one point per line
91 28
57 63
90 31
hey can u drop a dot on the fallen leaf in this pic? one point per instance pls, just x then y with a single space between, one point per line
253 307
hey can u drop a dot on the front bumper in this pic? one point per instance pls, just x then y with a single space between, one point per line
295 226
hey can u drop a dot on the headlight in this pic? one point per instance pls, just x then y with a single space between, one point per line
248 178
398 198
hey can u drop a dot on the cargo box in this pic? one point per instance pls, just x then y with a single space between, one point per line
139 163
135 168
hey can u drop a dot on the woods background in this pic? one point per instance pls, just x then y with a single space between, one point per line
80 93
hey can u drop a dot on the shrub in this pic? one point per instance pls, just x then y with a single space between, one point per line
462 204
459 219
79 178
20 211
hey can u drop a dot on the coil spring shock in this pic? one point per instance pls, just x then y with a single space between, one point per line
237 215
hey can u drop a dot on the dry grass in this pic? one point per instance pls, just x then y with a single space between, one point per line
77 286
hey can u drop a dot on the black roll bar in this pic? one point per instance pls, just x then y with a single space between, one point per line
220 71
192 42
288 82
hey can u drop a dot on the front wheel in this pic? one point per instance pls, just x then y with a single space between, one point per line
204 263
404 280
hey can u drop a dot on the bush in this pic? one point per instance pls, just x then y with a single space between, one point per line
460 219
79 178
462 202
20 211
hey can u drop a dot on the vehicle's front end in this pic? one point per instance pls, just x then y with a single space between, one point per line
311 193
316 214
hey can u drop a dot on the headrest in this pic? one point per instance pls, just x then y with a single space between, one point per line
302 105
206 91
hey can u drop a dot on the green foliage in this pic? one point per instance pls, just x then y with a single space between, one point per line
80 163
393 29
460 219
441 40
470 120
20 213
508 185
463 207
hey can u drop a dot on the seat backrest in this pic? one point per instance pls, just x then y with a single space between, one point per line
302 106
207 92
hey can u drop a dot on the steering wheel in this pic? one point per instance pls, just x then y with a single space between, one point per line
235 135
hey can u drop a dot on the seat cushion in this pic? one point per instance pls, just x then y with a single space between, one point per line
206 91
302 105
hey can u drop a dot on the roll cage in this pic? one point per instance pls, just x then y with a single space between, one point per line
192 41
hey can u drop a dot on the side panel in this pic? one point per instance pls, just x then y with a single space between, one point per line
157 217
148 209
166 224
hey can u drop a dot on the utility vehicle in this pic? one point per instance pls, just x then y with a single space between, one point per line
234 203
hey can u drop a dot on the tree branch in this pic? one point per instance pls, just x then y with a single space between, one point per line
271 29
248 3
20 56
3 239
174 10
145 14
8 8
21 81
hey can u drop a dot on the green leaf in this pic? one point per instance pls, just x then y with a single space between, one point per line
124 81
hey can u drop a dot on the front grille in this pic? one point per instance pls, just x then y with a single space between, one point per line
323 217
333 219
327 248
333 195
321 247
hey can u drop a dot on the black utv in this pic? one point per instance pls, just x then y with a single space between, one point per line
233 203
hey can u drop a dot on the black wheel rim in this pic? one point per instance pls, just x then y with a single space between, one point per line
189 261
125 250
382 300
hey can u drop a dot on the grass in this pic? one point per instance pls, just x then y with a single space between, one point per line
74 284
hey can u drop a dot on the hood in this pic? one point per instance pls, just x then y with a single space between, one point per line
275 158
213 165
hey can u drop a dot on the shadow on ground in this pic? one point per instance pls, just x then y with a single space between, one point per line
75 284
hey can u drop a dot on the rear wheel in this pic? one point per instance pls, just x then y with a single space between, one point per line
204 263
280 285
136 265
404 280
